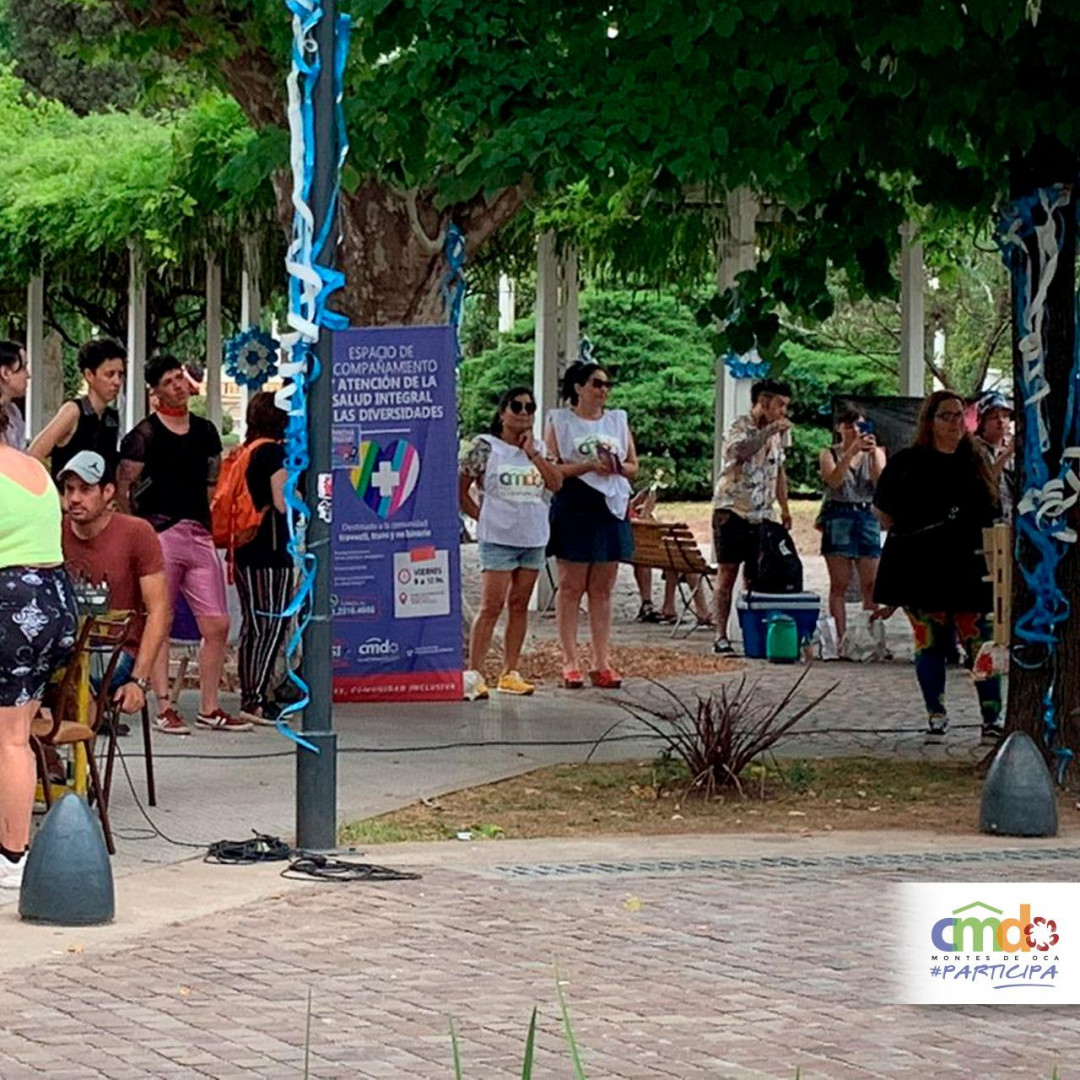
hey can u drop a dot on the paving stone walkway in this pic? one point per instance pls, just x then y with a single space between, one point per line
757 971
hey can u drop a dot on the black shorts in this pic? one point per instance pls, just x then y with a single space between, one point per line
735 540
38 620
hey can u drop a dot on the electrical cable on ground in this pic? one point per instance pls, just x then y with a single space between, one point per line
312 865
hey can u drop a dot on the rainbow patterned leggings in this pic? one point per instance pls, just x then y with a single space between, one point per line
935 634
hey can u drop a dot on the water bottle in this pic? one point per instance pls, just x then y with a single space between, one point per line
782 639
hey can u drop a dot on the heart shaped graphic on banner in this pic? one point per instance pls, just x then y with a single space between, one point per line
386 476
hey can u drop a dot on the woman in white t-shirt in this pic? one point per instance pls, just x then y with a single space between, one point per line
590 531
514 478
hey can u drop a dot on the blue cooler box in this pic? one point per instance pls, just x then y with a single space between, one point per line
754 611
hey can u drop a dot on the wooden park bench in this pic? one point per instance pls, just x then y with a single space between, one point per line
671 547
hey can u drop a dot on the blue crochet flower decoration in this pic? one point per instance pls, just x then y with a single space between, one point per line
251 357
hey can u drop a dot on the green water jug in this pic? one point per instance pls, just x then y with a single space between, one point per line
782 639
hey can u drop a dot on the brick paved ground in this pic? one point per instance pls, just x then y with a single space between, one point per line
754 972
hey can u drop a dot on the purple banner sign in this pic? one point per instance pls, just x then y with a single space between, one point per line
397 572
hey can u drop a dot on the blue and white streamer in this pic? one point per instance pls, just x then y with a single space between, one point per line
251 357
310 285
748 366
453 287
1035 223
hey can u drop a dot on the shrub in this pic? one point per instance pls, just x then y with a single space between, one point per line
722 733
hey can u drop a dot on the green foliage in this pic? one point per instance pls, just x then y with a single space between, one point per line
60 49
661 363
800 775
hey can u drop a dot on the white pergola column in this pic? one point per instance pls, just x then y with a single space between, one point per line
213 339
250 312
737 253
135 386
912 315
569 310
546 368
546 346
35 356
507 305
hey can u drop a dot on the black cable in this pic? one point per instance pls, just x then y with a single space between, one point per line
644 736
259 848
308 864
142 810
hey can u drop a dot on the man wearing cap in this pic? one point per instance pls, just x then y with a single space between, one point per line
993 437
122 552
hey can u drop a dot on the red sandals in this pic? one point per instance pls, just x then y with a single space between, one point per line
572 679
607 679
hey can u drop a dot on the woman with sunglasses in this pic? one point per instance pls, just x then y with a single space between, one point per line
590 532
935 498
509 468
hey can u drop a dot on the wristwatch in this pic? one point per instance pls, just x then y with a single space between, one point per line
142 684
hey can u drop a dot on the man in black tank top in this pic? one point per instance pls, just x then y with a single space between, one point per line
92 422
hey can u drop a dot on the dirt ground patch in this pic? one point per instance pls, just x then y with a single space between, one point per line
543 663
648 798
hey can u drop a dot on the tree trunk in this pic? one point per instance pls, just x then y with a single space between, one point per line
1033 670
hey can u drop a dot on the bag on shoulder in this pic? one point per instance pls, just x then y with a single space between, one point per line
234 521
779 568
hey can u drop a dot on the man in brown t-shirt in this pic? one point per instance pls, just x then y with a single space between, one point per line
122 552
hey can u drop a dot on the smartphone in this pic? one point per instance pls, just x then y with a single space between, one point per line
865 427
608 458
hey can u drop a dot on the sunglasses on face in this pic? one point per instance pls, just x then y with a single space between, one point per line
528 407
601 384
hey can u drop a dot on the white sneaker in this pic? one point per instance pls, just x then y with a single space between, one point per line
11 873
475 689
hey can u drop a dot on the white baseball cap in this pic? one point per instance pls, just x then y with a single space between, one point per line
87 466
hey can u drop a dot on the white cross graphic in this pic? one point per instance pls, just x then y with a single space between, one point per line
385 479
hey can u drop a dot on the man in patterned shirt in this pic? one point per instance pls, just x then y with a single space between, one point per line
751 482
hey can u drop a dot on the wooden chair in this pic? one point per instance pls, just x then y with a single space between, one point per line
671 547
78 711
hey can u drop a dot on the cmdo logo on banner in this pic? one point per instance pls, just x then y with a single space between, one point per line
984 943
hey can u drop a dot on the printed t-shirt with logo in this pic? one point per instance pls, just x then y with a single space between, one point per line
513 510
583 440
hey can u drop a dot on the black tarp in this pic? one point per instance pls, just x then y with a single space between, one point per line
895 418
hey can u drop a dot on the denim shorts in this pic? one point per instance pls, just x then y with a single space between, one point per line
505 557
850 532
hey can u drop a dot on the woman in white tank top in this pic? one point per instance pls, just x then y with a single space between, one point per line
590 533
509 467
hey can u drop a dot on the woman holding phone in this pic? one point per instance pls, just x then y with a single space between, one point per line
850 532
590 531
509 468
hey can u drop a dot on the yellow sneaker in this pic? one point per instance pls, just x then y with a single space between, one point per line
513 683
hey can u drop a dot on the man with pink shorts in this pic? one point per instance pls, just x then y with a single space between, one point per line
169 465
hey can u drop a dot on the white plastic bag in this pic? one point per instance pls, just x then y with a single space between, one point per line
864 639
830 647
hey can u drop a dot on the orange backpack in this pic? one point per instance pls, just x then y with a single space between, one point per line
234 521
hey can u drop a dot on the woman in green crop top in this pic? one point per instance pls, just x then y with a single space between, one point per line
37 632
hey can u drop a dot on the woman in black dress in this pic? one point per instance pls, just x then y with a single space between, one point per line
935 498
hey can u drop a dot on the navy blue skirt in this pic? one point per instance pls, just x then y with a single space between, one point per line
584 530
